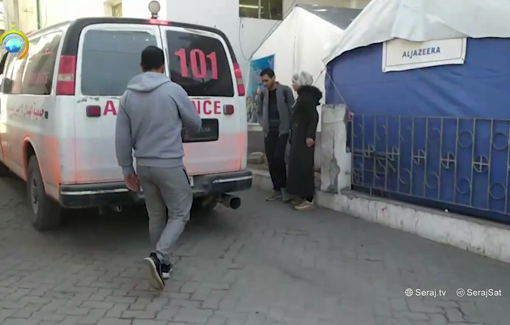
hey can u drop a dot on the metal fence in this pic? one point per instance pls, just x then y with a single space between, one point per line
454 163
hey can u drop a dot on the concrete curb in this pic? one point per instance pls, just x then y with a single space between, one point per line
262 179
478 236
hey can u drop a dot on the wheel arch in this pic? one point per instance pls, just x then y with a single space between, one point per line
29 150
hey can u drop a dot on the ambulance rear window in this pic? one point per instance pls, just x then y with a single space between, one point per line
199 64
110 59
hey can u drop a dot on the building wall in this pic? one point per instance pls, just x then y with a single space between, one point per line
357 4
21 12
245 34
56 11
2 17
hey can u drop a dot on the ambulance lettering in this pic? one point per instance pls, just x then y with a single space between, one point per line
206 107
110 109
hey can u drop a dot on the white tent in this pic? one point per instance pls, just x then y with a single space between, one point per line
424 20
301 41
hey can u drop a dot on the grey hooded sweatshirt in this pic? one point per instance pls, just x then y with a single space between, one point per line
152 112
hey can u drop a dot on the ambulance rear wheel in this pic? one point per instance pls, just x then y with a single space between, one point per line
4 171
46 213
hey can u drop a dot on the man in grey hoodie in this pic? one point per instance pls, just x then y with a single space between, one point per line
153 111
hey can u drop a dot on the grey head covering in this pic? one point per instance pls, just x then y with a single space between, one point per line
302 79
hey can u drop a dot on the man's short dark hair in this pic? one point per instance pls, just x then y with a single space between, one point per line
267 72
152 58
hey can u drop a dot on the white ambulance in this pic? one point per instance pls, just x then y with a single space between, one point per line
59 105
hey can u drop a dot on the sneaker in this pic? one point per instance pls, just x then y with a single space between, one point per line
166 269
305 206
156 275
286 198
275 196
296 201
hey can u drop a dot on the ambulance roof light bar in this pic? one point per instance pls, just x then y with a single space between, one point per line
154 8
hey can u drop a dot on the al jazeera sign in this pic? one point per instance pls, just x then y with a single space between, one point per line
15 42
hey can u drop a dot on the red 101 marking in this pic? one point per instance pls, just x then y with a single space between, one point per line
198 63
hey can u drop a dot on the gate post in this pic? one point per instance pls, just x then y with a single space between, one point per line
336 161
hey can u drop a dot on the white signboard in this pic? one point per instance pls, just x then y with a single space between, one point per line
400 55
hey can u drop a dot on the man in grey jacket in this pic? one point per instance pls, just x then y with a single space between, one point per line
274 108
152 113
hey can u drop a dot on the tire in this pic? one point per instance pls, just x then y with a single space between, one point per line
4 171
46 214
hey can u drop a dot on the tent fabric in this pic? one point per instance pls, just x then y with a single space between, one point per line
340 17
432 115
303 38
301 41
478 88
424 20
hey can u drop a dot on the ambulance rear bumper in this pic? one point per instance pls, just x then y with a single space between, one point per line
76 196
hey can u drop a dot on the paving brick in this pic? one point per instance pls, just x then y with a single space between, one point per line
41 315
97 304
20 321
420 322
112 321
419 306
399 304
263 264
149 322
454 315
411 315
167 314
184 303
138 314
27 310
438 319
73 311
190 318
216 320
117 310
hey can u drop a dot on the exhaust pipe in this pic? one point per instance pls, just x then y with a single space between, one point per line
231 201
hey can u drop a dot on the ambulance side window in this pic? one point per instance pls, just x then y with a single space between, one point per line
40 66
3 67
7 81
2 63
14 76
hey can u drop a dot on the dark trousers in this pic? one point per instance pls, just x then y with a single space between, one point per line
275 145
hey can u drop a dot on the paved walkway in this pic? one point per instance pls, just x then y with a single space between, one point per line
263 264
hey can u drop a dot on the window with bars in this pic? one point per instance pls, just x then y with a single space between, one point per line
263 9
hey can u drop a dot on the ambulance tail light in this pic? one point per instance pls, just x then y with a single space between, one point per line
66 75
239 79
93 111
228 109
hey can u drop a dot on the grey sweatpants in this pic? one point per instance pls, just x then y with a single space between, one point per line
165 189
